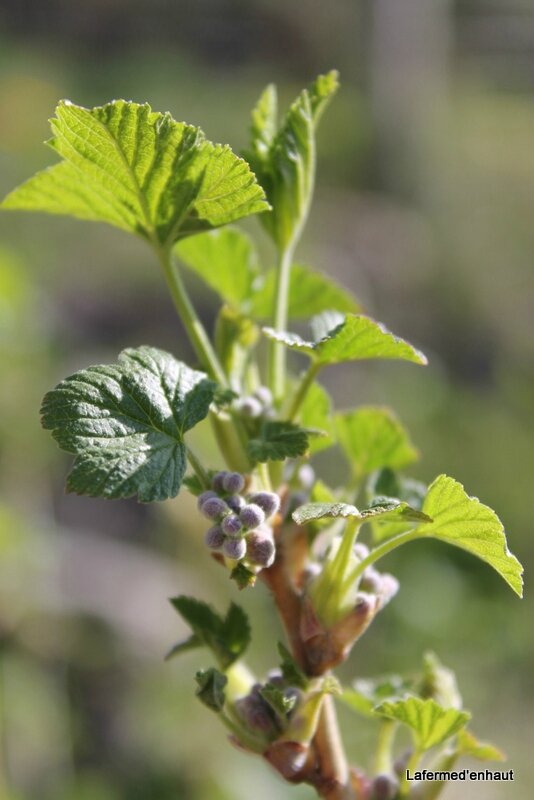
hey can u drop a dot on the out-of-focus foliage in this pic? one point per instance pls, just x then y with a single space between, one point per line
425 205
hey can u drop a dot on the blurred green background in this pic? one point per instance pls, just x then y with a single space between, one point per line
424 208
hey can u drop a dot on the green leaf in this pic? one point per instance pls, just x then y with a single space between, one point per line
291 671
192 643
211 684
439 683
285 162
386 483
316 413
225 260
310 293
372 437
357 338
141 171
429 723
465 522
243 576
389 508
227 638
365 694
126 423
279 702
468 745
277 441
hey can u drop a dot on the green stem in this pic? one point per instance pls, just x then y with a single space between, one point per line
332 586
264 477
379 552
198 469
386 736
277 352
434 789
302 390
411 766
194 327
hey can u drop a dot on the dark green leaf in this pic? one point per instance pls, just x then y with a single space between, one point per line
227 638
243 576
141 171
211 684
192 643
291 671
126 423
278 701
278 441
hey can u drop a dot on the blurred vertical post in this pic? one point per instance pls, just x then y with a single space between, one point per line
409 70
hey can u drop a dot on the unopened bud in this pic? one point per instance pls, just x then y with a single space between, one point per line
235 502
201 499
214 537
218 481
251 516
214 508
384 787
233 483
250 407
235 548
256 713
268 501
371 581
264 395
361 550
232 525
389 586
260 549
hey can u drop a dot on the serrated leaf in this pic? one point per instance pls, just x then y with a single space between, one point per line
429 723
227 638
386 482
316 413
126 423
357 338
467 523
285 162
373 437
192 643
468 745
278 701
277 441
310 293
389 508
141 171
243 576
365 694
211 684
291 671
225 260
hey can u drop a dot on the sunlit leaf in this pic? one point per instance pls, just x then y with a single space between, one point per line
430 723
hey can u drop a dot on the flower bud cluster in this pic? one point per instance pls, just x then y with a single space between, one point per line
257 405
240 522
381 585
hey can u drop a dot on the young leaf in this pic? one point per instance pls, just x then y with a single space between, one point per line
467 523
285 163
316 413
192 643
227 638
357 338
126 423
468 745
291 671
366 694
243 576
430 723
390 508
439 683
141 171
277 441
279 702
225 260
211 684
310 293
372 437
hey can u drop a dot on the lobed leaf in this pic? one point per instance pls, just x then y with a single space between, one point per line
277 441
430 723
126 423
467 523
141 171
372 437
356 338
211 684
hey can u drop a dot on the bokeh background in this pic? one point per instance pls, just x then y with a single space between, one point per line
424 208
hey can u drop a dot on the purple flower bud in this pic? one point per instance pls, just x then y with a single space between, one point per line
201 499
250 407
361 550
251 516
233 483
384 787
260 549
256 713
371 581
264 395
232 525
214 537
218 480
235 502
214 508
389 586
268 501
235 548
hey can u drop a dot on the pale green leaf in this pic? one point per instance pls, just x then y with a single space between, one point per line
357 338
390 508
385 482
316 412
126 423
430 723
310 293
467 523
141 171
439 683
372 437
366 693
468 745
264 123
277 441
225 260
